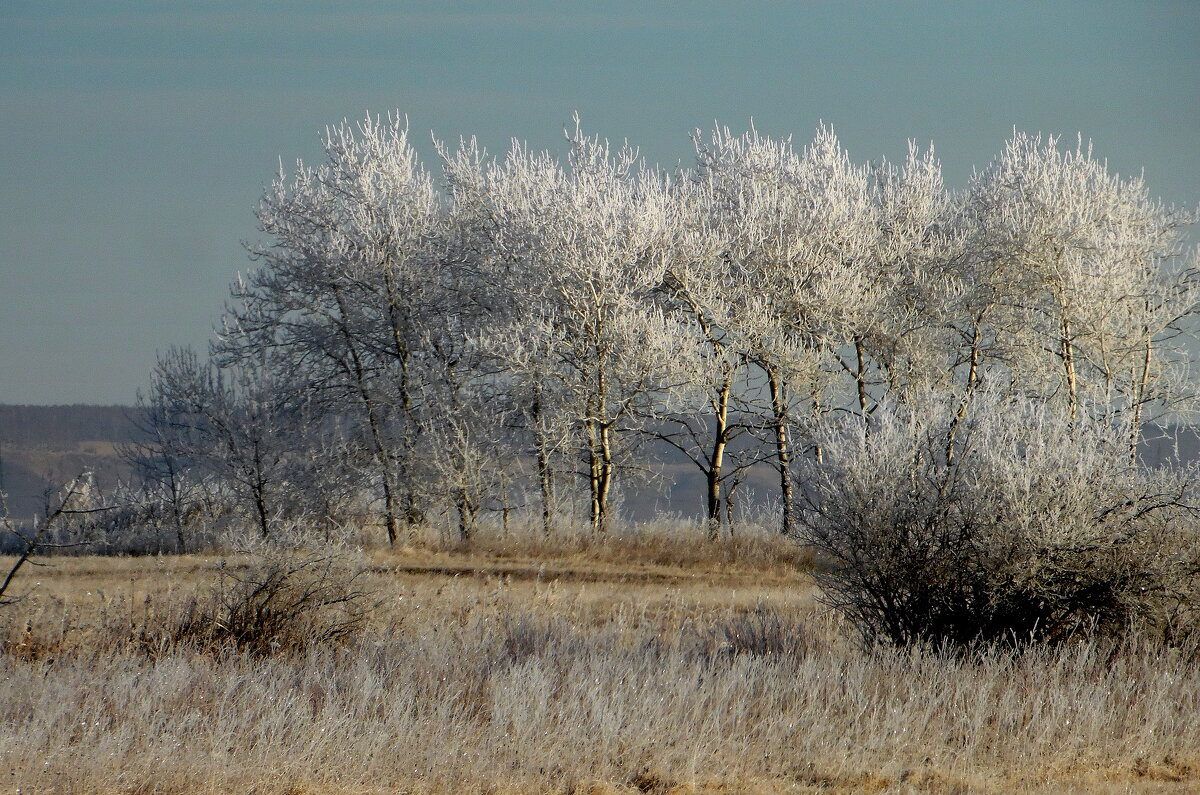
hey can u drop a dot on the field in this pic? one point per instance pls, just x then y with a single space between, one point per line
654 663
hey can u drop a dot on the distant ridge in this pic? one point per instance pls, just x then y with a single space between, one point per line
42 447
49 427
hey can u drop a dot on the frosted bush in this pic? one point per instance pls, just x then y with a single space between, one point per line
997 520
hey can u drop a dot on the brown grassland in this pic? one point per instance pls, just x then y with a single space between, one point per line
658 663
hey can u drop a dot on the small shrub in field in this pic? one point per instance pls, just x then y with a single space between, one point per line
761 633
283 600
1000 520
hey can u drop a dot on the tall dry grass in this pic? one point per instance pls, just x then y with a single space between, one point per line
582 682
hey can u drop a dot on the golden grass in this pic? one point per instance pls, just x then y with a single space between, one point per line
498 669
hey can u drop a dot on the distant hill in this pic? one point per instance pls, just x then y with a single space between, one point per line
43 447
55 427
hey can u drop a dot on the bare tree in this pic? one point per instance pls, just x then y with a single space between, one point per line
164 456
798 228
343 288
573 251
1084 258
239 424
75 499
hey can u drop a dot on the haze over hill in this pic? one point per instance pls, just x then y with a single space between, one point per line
42 447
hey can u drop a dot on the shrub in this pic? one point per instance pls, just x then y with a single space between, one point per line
999 520
282 600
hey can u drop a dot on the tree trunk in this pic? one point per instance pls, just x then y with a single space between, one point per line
729 505
378 448
972 382
259 487
818 410
860 375
542 453
466 516
607 473
174 483
594 474
1068 358
412 512
260 508
1139 395
600 473
602 463
716 460
783 453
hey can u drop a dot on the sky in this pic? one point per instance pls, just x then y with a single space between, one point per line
136 137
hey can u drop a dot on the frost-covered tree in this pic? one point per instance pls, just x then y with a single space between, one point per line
798 229
707 293
1085 264
343 291
234 425
574 255
905 330
530 325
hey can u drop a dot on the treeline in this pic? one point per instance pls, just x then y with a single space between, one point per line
56 427
508 336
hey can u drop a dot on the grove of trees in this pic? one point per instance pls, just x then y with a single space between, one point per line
505 336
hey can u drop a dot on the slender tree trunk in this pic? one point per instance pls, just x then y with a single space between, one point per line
259 487
729 505
593 439
860 375
542 453
716 459
1068 359
600 466
466 516
607 474
389 496
260 508
715 464
174 483
260 498
375 425
972 382
973 362
783 453
396 320
594 482
818 410
603 465
1139 395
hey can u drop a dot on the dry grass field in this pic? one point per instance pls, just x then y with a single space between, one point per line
651 664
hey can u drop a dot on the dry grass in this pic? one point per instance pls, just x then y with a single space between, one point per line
498 669
664 543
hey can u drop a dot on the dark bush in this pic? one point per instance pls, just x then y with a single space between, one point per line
1000 521
280 602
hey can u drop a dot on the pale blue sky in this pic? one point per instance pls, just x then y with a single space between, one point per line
137 136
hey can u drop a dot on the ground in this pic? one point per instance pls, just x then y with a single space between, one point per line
633 664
